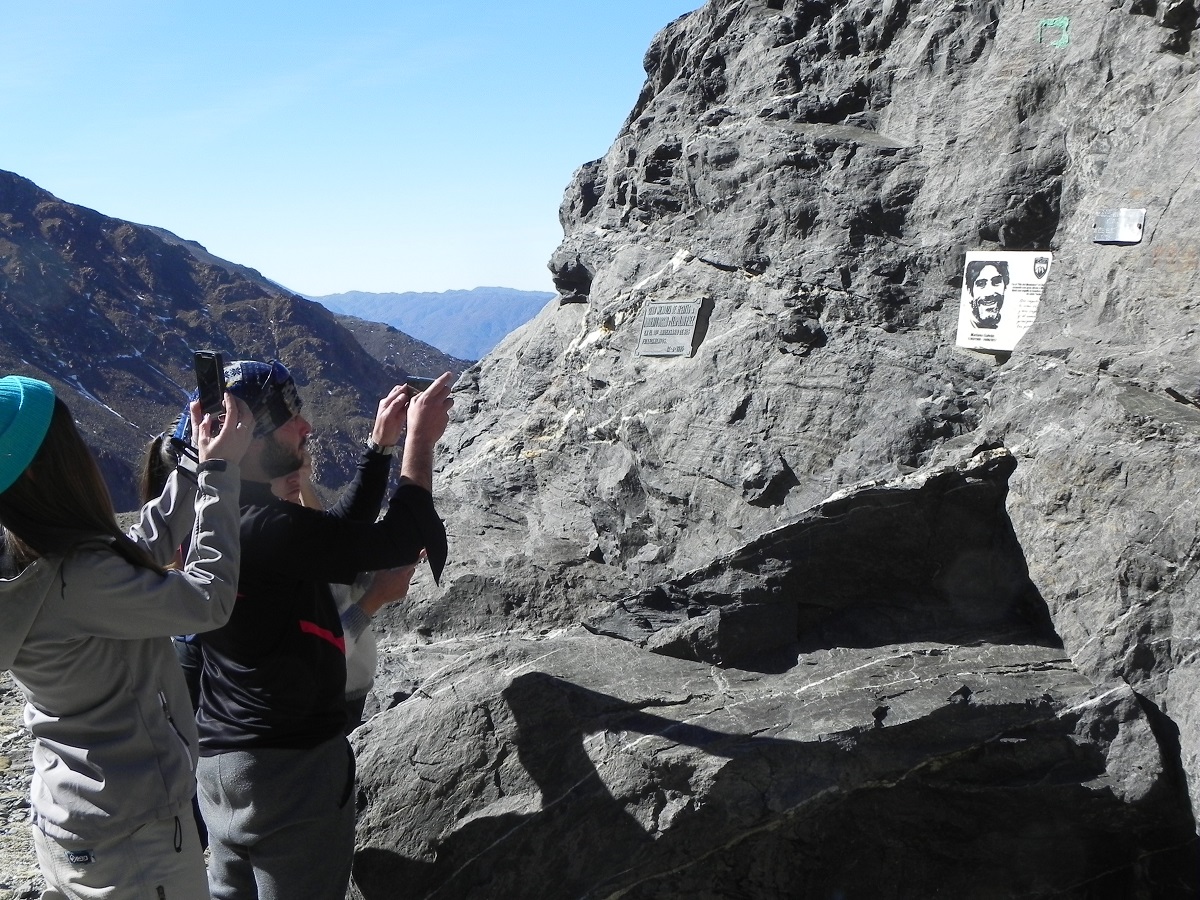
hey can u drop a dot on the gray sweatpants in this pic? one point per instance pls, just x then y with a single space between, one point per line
280 822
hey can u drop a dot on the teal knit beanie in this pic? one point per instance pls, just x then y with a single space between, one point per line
26 406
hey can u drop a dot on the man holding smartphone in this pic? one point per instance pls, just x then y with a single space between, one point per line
276 774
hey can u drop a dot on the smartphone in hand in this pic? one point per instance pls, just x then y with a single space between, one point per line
210 381
418 384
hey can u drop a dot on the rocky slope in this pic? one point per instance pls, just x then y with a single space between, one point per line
109 312
400 352
829 607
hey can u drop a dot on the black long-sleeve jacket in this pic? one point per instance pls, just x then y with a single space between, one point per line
274 675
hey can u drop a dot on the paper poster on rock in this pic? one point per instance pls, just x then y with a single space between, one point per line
1000 296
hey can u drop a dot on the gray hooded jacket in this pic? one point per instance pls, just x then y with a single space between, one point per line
87 639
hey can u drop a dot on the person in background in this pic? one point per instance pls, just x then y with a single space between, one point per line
86 612
358 603
160 459
276 773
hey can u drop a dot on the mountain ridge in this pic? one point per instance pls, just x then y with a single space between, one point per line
109 312
466 324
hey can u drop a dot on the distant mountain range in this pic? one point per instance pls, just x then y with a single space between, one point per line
463 324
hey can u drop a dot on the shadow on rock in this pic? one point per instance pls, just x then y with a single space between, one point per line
933 558
638 805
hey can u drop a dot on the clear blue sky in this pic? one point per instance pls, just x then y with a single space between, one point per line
386 145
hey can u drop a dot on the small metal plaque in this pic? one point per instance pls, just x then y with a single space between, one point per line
1119 226
668 328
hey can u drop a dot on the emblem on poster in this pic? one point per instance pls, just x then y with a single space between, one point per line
1062 24
668 328
1000 296
1119 226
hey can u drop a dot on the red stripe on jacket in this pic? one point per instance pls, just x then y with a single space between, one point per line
324 634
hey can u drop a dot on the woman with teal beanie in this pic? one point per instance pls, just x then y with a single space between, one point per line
86 615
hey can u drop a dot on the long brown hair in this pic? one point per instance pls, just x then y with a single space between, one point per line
157 465
61 500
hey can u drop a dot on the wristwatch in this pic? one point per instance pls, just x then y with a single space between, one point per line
380 449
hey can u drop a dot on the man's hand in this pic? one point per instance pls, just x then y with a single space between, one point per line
429 412
391 416
237 431
428 416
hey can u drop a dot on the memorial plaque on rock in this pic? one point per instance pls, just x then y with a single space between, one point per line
1119 226
668 328
1000 296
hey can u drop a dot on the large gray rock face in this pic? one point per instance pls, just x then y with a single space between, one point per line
827 482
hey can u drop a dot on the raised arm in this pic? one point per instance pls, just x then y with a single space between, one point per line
428 416
364 495
141 602
167 520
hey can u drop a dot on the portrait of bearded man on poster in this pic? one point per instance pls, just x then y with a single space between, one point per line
987 282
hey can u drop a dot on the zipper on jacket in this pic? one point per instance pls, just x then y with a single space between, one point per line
162 699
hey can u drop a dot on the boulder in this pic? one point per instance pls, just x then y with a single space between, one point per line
827 605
